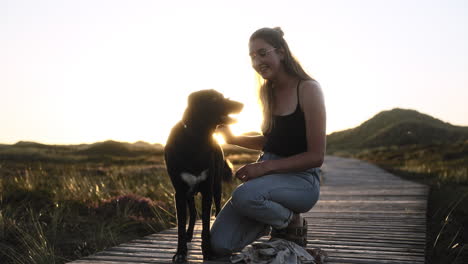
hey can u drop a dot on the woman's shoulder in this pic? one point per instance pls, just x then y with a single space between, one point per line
312 83
309 87
310 95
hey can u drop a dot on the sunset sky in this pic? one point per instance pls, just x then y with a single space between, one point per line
89 70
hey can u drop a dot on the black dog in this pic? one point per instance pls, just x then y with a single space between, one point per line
195 163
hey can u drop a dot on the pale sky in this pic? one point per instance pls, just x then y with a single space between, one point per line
87 70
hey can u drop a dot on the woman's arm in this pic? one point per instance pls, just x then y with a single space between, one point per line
250 142
313 106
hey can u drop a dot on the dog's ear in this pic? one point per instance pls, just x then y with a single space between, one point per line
196 104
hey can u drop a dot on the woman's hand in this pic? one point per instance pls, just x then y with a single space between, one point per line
252 171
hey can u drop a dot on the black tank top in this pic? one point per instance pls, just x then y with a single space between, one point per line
288 134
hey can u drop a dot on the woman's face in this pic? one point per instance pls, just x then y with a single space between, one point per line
266 60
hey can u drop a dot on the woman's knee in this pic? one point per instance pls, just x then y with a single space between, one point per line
244 197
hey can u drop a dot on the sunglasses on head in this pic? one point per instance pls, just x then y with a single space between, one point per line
261 53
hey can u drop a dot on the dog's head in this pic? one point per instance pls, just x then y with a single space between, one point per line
211 107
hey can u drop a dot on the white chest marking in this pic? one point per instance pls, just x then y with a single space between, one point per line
193 180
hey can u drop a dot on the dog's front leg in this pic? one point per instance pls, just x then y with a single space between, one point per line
193 215
181 208
206 217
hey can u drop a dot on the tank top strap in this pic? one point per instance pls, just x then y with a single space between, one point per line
298 101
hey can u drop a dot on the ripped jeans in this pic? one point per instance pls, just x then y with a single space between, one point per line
261 203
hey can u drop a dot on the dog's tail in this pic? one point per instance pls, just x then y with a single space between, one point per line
227 171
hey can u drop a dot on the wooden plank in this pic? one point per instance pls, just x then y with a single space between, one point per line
367 243
361 221
366 229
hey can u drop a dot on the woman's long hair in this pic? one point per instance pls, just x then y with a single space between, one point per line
274 37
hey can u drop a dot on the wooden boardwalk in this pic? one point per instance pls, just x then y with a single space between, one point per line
364 215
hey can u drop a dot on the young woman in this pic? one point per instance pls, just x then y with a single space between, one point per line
284 182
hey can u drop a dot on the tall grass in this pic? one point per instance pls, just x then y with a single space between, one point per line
57 205
35 245
51 213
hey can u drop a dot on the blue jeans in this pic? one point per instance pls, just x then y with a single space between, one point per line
261 203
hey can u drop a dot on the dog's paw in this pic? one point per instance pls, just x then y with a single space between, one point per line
179 258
